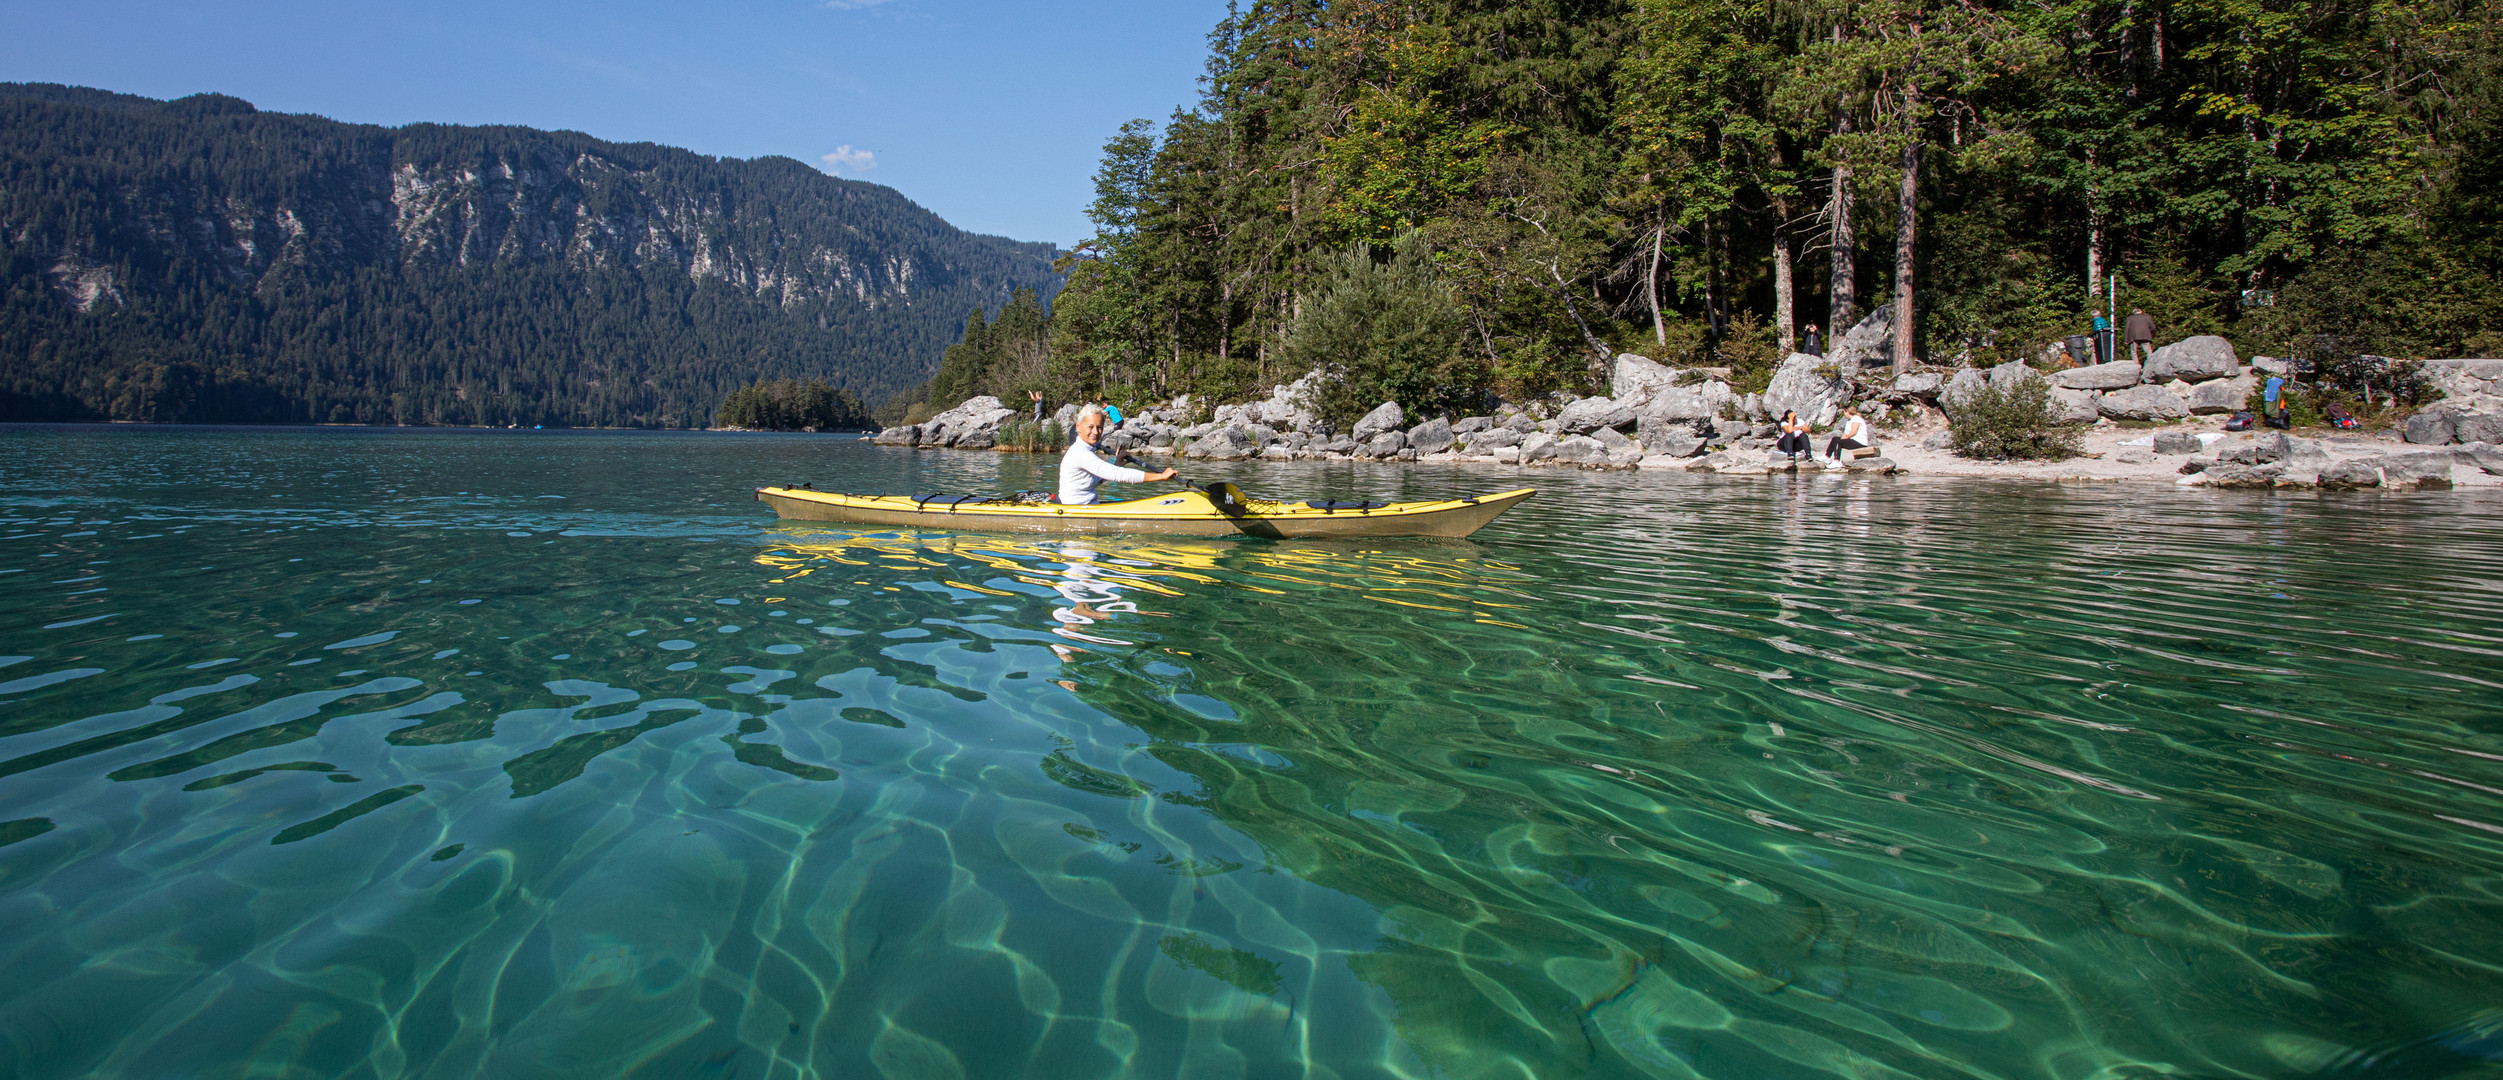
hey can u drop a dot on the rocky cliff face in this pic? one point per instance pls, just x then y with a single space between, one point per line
325 197
119 203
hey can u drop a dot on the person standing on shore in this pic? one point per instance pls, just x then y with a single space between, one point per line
1812 344
1082 467
2141 327
2103 340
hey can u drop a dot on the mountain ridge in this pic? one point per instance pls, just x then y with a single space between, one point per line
200 259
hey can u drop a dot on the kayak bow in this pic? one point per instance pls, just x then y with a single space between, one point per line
1218 510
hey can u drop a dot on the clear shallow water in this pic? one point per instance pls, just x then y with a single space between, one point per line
534 754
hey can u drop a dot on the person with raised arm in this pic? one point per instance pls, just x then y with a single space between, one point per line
1083 466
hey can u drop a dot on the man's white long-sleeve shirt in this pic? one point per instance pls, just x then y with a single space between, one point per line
1081 469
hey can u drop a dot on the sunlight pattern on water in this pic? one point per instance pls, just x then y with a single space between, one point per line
355 753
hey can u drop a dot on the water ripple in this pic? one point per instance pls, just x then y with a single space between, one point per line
1658 776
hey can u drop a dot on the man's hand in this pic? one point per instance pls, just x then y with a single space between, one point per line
1154 477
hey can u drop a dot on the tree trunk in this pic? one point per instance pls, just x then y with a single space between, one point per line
1564 292
1907 219
1842 300
2094 230
1784 314
1651 280
1712 245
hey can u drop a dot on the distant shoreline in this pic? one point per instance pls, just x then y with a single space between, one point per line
247 425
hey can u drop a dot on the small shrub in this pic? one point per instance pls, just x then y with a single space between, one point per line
1749 350
1031 436
2017 423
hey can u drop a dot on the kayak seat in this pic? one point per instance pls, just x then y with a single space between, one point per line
1332 504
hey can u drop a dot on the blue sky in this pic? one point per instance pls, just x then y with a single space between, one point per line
989 112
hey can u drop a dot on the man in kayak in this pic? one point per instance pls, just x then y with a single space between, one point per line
1082 467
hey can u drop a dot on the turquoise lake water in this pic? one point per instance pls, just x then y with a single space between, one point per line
398 754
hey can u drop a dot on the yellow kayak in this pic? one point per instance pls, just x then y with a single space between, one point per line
1217 510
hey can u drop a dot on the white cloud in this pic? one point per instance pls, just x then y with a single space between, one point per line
845 161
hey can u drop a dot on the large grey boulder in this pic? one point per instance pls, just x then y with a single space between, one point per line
1873 339
2142 403
899 435
2176 442
1383 445
1960 386
1483 441
1384 417
2274 446
1288 406
1807 384
2120 374
2466 378
1639 376
2074 406
2485 456
1676 443
2347 474
1924 385
1431 437
2010 375
2477 425
2422 469
2430 427
1227 443
1579 450
1468 424
2219 395
1590 414
2194 358
1699 402
983 414
1536 446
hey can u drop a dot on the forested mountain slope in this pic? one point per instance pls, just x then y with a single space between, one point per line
1442 198
199 260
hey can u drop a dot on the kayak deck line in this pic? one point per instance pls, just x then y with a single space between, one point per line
1217 510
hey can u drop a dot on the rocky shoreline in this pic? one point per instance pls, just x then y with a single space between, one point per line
2161 421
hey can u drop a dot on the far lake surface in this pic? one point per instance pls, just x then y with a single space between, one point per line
551 754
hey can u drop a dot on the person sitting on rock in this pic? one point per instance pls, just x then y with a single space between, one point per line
1794 441
1083 466
1854 435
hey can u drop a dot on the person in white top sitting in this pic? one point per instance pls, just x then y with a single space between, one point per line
1083 467
1854 435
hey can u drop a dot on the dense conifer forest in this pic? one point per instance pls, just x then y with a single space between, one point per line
1452 197
200 260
